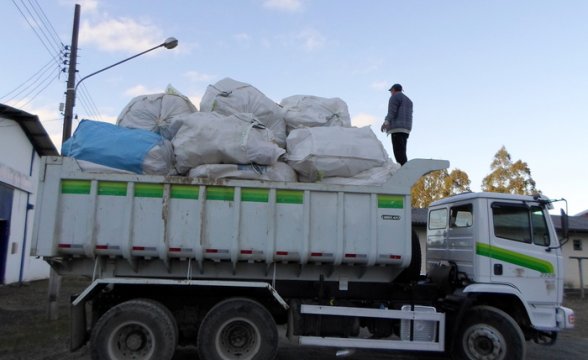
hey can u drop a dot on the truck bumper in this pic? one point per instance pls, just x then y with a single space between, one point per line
566 319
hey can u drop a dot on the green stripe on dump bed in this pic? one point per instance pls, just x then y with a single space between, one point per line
289 196
185 192
113 188
255 195
530 262
75 186
220 193
149 190
390 201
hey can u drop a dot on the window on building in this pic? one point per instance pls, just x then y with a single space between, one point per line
577 245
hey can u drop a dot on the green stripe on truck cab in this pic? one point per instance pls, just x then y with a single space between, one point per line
530 262
390 201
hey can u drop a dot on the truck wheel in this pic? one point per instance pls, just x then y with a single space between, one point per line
135 329
238 328
413 271
490 334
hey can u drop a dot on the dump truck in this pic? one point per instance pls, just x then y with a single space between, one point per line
224 264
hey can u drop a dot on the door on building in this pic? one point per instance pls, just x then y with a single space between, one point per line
6 194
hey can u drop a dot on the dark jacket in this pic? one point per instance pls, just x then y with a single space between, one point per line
399 115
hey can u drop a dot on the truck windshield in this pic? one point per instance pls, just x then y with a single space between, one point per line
520 223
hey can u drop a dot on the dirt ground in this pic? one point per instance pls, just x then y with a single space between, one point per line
26 332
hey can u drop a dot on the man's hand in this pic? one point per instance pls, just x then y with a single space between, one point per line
384 127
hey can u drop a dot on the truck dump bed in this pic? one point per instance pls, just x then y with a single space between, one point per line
156 226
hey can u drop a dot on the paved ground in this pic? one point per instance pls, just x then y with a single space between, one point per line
25 332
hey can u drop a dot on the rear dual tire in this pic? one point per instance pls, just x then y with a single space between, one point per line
139 329
238 329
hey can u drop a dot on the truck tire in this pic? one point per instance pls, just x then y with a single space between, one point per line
413 271
490 334
238 328
135 329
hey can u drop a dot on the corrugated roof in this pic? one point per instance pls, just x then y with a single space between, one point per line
33 129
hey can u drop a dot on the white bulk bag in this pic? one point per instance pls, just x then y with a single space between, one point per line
280 171
229 97
212 138
312 111
156 112
320 152
375 176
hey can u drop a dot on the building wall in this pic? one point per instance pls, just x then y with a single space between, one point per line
572 271
16 171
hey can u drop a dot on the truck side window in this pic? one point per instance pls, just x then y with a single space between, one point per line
438 219
511 222
540 230
461 216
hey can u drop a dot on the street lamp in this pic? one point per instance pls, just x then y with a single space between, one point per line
70 97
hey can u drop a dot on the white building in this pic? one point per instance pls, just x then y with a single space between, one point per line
23 140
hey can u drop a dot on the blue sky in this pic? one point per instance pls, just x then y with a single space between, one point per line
481 74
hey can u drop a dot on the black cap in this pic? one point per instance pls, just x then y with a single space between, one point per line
396 87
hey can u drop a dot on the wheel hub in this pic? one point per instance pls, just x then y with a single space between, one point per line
485 344
238 339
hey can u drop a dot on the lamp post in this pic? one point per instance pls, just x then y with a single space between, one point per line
70 97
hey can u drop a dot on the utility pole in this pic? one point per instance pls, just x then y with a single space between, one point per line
70 94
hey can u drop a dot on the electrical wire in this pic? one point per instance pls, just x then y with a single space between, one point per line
46 21
30 79
51 51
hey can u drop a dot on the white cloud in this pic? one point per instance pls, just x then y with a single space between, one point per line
380 85
283 5
363 119
311 39
120 34
85 5
199 77
139 90
196 99
242 37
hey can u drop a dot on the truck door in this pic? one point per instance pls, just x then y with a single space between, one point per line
519 238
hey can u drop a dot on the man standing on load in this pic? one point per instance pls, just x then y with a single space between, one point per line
398 122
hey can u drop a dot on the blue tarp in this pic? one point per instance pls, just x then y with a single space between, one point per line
110 145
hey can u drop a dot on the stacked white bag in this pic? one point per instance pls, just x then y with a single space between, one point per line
280 171
156 112
312 111
212 138
231 97
320 152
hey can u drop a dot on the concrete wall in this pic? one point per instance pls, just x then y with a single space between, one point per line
19 168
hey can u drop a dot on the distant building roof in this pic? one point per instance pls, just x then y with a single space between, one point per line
583 213
32 127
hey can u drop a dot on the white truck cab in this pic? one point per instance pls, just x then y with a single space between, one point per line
503 251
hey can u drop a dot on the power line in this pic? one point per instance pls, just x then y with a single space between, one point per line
30 79
42 85
51 51
46 21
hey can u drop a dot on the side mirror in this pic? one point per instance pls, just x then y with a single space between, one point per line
565 224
